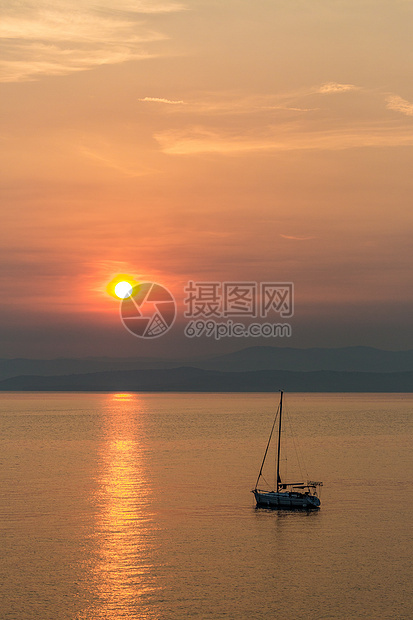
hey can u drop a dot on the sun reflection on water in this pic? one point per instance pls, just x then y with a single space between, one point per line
121 577
123 396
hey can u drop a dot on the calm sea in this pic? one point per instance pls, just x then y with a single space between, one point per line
138 506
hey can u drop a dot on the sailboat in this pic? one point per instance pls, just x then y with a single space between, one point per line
286 495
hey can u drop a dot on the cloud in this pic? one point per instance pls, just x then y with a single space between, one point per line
198 139
334 87
396 103
110 161
238 103
161 100
38 38
53 60
291 108
296 238
282 122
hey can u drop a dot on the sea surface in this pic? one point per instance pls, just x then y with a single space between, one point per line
138 506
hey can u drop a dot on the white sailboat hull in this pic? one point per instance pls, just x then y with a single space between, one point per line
285 500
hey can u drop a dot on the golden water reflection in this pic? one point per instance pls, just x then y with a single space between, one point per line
121 573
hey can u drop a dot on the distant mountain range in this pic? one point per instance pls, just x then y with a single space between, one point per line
351 359
357 369
65 366
186 379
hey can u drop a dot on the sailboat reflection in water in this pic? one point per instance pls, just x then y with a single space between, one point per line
287 495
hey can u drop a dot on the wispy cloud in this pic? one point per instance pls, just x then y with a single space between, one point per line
110 161
396 103
198 139
283 122
291 108
161 100
40 38
334 87
296 238
236 103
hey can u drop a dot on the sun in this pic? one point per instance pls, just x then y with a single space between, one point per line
121 286
123 289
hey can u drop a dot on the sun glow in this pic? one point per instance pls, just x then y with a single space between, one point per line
121 286
123 289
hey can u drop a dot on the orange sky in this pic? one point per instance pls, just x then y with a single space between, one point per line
205 140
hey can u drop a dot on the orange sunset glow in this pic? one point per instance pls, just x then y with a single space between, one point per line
121 286
172 141
206 354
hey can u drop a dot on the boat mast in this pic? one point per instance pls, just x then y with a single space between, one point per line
266 449
279 442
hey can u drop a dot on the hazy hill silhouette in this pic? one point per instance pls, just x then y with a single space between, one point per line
350 359
187 379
